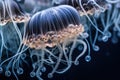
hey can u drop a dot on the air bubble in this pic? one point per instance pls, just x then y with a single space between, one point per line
32 74
80 47
43 69
88 58
109 6
107 33
8 73
105 38
76 62
39 73
20 71
50 75
66 50
96 48
23 56
85 35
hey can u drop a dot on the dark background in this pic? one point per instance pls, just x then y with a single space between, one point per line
105 65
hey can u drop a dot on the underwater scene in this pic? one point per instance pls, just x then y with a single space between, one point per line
59 39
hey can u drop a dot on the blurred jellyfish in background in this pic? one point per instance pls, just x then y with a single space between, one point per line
32 6
92 12
11 15
111 23
11 11
46 33
84 6
107 25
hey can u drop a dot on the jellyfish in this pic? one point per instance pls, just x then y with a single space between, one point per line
10 14
110 25
104 26
11 11
52 35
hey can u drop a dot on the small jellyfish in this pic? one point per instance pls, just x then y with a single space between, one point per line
52 35
11 11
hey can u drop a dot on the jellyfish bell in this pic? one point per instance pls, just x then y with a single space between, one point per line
52 26
11 11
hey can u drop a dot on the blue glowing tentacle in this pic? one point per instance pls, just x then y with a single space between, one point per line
71 50
109 21
40 66
50 75
11 16
94 2
82 53
116 22
9 64
69 63
113 1
88 57
2 42
1 48
13 71
13 56
95 47
51 54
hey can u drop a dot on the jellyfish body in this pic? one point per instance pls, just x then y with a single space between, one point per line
52 35
11 11
46 24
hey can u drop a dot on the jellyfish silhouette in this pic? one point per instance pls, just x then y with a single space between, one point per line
52 35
